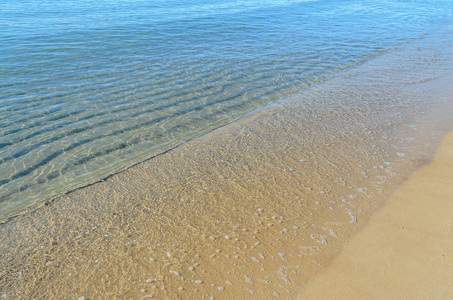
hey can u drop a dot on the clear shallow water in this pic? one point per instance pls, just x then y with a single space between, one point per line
88 89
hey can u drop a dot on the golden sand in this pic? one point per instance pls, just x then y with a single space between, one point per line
406 251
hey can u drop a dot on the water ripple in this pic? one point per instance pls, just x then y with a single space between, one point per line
88 89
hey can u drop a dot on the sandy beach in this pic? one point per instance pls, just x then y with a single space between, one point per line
273 203
405 252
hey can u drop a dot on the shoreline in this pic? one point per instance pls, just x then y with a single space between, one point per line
36 206
405 250
253 209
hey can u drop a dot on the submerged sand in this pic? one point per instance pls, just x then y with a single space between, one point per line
252 210
406 251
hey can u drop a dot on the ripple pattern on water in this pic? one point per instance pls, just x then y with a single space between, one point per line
87 90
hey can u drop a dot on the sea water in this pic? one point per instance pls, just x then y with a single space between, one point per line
88 89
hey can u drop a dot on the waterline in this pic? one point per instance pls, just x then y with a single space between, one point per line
107 86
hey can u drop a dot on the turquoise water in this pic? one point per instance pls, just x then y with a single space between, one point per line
88 88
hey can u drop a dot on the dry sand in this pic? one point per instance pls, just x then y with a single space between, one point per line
406 251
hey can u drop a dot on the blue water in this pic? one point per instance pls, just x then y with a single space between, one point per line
89 88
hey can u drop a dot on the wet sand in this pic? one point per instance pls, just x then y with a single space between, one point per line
405 252
252 210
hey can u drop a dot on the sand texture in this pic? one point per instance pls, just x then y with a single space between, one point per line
406 251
